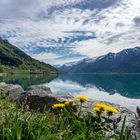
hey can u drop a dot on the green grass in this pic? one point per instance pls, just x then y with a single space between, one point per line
22 124
1 69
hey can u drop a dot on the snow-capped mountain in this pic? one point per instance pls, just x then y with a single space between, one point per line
126 61
68 66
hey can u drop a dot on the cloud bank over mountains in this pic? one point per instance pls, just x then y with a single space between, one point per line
64 31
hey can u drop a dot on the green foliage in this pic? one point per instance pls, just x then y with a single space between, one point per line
125 133
123 129
11 56
23 67
20 125
1 69
57 124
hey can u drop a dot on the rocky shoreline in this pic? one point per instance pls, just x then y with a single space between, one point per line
38 97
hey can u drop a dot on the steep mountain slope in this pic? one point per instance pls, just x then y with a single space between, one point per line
126 61
11 56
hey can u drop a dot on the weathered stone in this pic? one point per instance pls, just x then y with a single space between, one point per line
13 92
40 103
40 97
63 97
130 121
38 90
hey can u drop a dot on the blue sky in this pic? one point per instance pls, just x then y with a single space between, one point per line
63 31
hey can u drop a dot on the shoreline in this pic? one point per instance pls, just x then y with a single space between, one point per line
100 96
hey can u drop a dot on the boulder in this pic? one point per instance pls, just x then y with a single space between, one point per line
39 97
38 90
130 120
13 92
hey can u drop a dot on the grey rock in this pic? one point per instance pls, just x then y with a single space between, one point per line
40 97
63 97
130 121
13 92
38 90
37 102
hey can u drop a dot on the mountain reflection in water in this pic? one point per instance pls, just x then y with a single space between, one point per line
120 89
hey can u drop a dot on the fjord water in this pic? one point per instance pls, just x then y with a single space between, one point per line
123 89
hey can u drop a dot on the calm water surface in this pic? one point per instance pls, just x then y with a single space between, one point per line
120 89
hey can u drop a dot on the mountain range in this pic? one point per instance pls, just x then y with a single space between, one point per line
13 57
125 61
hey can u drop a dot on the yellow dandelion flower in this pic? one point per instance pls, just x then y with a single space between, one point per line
102 106
96 109
58 106
107 108
82 98
70 103
111 110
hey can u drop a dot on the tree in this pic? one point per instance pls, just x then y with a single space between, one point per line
23 66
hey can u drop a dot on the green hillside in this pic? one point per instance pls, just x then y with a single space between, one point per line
13 58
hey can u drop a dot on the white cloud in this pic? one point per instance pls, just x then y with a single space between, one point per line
58 86
114 27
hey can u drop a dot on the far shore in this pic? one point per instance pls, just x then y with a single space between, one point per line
51 73
105 73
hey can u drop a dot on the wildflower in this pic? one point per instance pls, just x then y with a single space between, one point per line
111 110
97 110
70 103
58 106
102 106
82 98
